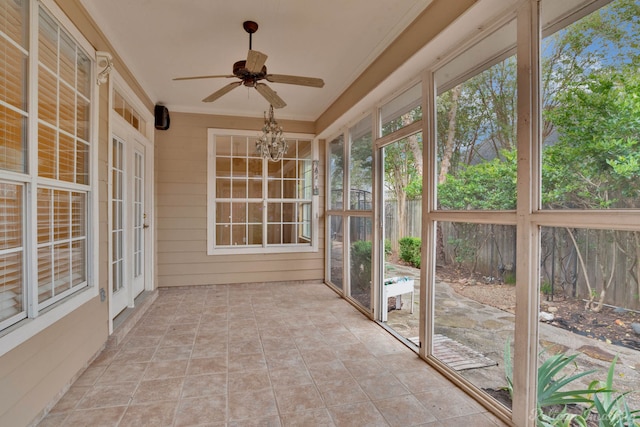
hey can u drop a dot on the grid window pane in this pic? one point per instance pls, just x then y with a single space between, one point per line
13 68
12 140
60 144
240 178
11 276
14 20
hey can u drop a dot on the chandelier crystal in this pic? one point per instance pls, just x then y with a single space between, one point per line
271 145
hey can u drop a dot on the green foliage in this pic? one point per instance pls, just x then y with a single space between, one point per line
414 189
387 247
551 393
596 161
361 265
545 288
613 411
463 249
549 387
509 278
489 185
410 248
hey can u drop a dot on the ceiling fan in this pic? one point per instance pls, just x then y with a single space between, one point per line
252 70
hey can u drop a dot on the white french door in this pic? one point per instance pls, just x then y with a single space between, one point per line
129 263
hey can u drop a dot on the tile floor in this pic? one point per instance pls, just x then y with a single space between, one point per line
261 355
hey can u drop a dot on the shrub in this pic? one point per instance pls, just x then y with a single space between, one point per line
387 247
410 250
361 264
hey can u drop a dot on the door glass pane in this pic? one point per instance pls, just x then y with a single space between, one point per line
360 246
138 213
400 287
117 216
360 165
336 254
336 172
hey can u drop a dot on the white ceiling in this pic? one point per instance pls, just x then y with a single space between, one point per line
334 40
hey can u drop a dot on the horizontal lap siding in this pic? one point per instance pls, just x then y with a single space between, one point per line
181 186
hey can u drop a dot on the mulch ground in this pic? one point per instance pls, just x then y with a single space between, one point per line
610 324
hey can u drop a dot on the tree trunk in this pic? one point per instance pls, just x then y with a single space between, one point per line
445 163
584 270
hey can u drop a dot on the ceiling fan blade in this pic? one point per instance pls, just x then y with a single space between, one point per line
203 77
225 89
255 61
295 80
270 95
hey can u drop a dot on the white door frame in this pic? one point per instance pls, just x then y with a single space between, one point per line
119 128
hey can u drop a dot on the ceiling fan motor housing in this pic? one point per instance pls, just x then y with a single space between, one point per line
248 78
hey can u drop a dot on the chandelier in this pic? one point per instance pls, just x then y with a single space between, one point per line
271 145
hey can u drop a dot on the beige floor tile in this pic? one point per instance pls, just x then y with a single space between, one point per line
165 369
101 396
250 362
341 392
404 411
183 328
357 414
173 353
421 380
90 375
261 355
328 372
208 365
319 355
284 359
298 398
382 386
172 340
449 402
475 420
238 347
365 367
272 421
54 420
204 385
122 373
215 349
102 417
290 377
201 411
242 381
314 417
247 405
153 415
135 355
70 399
158 390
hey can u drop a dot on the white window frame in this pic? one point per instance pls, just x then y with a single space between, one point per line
312 246
41 316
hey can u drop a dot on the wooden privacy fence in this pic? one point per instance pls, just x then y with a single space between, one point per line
610 259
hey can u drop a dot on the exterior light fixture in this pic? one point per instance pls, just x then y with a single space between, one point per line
271 145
